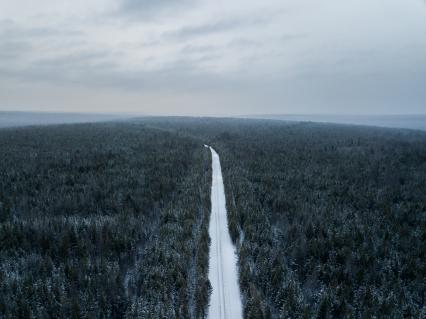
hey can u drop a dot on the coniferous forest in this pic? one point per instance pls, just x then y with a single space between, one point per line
331 220
102 221
110 220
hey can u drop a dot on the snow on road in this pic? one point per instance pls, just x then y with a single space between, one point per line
225 300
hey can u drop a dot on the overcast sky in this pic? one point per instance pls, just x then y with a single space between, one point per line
214 57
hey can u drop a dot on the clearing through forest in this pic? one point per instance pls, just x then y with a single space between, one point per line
225 300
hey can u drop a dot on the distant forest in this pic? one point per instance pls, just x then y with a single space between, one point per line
110 220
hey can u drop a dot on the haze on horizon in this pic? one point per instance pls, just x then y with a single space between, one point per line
205 57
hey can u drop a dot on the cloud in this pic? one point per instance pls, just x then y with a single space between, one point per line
270 54
206 29
18 41
151 9
13 49
219 26
191 49
10 29
99 69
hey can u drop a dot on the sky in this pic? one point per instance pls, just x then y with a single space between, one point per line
214 57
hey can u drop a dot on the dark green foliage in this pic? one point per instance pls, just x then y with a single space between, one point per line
111 220
103 221
329 220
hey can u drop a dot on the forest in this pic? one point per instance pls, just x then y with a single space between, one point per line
329 220
103 221
110 220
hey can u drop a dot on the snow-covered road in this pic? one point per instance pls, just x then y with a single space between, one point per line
225 301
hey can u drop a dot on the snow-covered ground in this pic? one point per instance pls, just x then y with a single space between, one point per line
225 301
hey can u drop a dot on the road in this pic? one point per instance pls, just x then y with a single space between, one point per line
225 301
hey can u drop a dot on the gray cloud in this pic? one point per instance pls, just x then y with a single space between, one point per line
151 9
245 55
10 29
190 49
99 70
13 49
219 26
291 37
17 41
206 29
81 60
